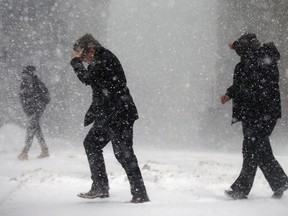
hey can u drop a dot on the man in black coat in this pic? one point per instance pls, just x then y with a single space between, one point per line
256 103
34 97
113 113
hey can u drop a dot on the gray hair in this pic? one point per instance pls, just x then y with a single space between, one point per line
86 42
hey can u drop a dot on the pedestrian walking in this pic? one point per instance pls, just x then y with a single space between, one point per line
256 103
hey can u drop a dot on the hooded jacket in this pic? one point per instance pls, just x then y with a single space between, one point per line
34 95
255 89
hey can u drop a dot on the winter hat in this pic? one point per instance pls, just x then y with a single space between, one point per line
86 42
29 70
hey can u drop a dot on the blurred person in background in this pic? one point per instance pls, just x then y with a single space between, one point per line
34 97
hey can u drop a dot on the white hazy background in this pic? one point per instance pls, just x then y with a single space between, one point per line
168 51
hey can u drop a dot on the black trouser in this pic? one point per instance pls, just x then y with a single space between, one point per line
33 129
121 136
257 151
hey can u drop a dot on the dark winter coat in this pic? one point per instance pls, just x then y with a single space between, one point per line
255 89
112 101
34 96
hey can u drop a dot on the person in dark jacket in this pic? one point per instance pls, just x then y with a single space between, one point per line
113 113
34 97
256 103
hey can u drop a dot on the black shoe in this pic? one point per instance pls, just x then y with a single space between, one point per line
140 199
92 194
234 194
278 194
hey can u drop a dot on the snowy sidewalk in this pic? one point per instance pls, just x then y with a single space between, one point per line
178 183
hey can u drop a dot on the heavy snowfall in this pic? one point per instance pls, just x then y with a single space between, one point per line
177 63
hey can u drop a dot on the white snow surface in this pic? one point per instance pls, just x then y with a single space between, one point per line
179 182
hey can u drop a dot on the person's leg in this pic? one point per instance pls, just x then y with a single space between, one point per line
40 138
30 132
244 182
94 142
122 141
270 167
96 139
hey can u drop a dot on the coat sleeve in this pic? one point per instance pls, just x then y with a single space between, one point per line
235 87
82 73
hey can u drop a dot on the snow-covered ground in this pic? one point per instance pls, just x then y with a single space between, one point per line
179 183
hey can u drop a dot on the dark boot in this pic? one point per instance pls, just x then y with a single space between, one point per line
278 194
140 199
234 194
95 193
